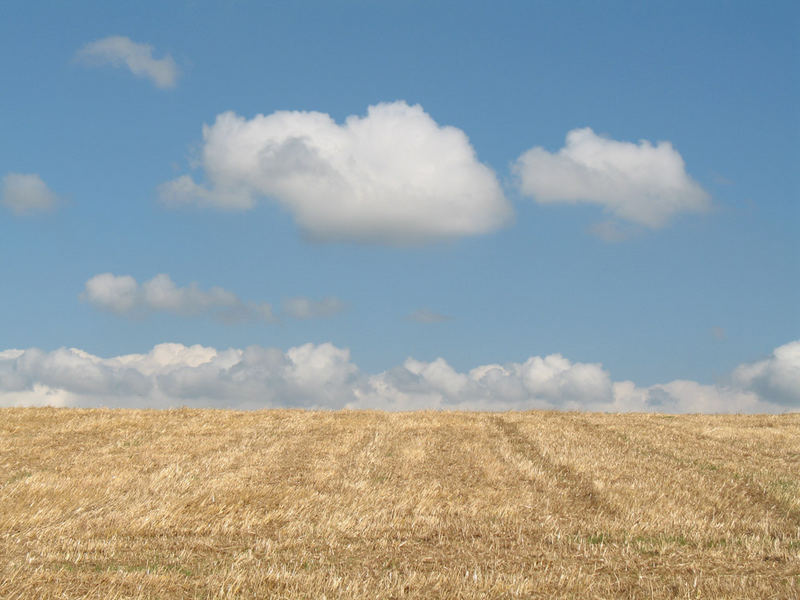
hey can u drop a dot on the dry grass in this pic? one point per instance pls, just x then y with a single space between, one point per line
290 504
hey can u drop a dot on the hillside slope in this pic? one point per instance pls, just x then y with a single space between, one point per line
292 504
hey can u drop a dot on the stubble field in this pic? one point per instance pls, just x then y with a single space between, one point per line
293 504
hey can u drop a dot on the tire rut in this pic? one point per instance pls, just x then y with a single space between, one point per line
578 487
746 486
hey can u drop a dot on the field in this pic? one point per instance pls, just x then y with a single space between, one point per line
292 504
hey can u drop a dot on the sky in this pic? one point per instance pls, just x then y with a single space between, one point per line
510 205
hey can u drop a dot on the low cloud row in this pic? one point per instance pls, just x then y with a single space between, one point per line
124 296
323 376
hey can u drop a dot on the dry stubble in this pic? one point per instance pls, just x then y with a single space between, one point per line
292 504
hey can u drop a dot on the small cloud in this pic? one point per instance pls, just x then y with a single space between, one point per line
424 315
718 333
643 183
306 308
720 179
613 231
120 51
124 296
26 194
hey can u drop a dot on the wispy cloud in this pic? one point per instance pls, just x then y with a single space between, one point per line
27 194
614 231
394 176
120 51
641 183
123 295
718 333
307 308
425 315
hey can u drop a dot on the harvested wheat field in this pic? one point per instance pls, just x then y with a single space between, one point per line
292 504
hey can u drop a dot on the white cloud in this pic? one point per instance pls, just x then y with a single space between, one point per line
123 295
119 51
26 193
161 293
393 176
645 184
425 315
549 382
613 231
177 375
776 378
769 385
116 293
307 308
681 396
323 376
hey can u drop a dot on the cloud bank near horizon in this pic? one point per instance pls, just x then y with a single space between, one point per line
324 376
121 51
393 176
644 184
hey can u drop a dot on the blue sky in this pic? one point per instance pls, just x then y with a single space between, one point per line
87 147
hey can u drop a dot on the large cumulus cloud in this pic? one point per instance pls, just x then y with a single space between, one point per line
324 376
392 176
